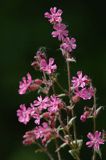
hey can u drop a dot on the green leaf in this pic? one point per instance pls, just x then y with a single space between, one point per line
74 153
71 121
61 146
98 110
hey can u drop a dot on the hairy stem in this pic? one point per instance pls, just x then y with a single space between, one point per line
45 151
94 122
59 85
58 152
94 155
74 127
69 86
72 110
69 77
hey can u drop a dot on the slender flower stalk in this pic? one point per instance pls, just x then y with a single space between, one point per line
72 110
94 107
58 152
45 150
69 75
94 123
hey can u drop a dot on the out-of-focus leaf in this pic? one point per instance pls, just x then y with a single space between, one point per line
61 146
71 121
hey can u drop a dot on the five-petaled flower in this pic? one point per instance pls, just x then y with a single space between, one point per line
60 31
48 68
55 104
44 132
23 114
25 84
95 140
68 45
80 81
29 137
85 93
54 16
42 103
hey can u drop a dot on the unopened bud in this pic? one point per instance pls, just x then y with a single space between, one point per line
83 118
75 99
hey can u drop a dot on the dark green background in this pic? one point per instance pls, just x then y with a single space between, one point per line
22 30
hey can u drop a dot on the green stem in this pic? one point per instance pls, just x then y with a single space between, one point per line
69 77
58 152
53 89
74 127
59 85
69 86
46 151
94 155
94 122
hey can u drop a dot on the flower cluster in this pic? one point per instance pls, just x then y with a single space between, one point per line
53 110
38 108
48 68
42 109
68 44
81 86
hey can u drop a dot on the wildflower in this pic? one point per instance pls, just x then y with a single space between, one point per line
85 93
68 44
23 114
42 103
43 132
95 140
37 118
54 16
80 81
39 56
48 68
29 137
60 31
35 113
55 104
25 84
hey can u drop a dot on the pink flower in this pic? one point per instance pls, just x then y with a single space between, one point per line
42 103
95 140
80 81
29 137
85 93
37 118
55 104
24 84
68 44
84 116
35 113
48 68
60 31
23 114
39 56
54 16
43 132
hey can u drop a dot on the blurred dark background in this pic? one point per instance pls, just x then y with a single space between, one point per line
23 29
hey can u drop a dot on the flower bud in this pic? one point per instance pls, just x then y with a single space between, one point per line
75 99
